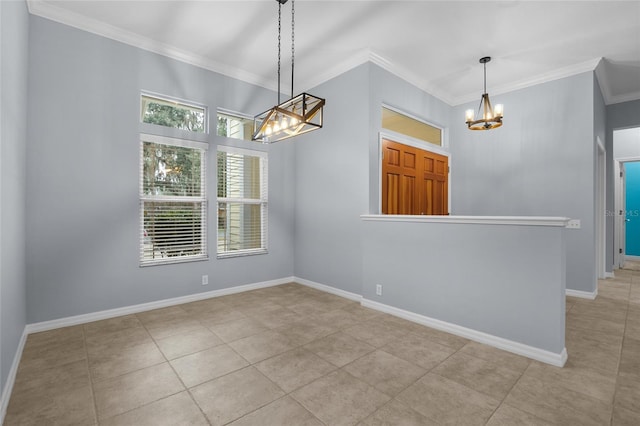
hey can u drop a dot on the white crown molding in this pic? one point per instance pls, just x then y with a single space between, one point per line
633 96
557 74
50 11
62 16
353 61
409 77
603 81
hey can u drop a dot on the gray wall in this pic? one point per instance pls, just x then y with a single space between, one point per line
14 32
337 176
82 183
463 279
619 116
332 181
539 163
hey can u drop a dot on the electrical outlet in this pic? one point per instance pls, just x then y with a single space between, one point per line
205 279
574 224
379 289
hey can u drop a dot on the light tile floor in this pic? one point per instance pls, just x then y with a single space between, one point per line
292 355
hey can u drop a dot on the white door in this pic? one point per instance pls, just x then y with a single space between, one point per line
620 216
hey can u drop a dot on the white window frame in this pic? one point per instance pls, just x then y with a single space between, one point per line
202 199
444 142
180 102
233 114
263 202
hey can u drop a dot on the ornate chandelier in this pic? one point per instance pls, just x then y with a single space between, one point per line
487 117
298 115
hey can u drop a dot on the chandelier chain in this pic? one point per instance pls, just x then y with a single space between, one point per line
279 39
293 44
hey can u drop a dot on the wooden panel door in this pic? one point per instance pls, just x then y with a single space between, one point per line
414 181
433 191
399 178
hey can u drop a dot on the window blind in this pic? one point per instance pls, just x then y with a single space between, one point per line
242 201
173 204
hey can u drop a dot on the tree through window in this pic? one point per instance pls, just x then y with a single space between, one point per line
173 204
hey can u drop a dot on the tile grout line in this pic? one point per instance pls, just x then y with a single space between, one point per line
624 333
511 390
250 364
360 321
93 393
174 372
145 367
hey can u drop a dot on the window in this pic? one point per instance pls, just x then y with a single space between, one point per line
173 113
233 125
242 202
409 126
173 204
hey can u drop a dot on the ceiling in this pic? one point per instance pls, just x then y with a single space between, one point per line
435 45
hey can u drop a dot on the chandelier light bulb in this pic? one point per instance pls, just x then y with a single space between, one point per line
499 110
284 123
268 130
469 116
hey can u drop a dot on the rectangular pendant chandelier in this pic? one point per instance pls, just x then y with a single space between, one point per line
298 115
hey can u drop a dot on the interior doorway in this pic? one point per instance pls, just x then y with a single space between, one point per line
626 144
632 210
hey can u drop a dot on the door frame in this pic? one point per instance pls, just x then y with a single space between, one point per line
416 143
601 187
619 224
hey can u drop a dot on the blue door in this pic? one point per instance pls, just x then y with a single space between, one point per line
632 214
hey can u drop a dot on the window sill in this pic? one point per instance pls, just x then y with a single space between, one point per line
242 253
172 261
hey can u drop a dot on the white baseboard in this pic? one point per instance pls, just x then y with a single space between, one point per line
11 378
609 275
328 289
557 359
582 294
133 309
